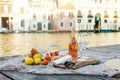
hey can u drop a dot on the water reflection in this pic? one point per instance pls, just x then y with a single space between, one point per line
19 44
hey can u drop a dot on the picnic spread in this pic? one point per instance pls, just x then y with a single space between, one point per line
91 64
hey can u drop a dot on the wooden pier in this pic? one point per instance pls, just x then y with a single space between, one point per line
15 75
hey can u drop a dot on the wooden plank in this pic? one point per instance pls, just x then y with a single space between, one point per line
110 47
25 76
105 49
2 77
79 63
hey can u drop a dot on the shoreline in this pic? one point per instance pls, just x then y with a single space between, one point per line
53 31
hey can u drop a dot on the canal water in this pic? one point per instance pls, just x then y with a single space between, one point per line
22 43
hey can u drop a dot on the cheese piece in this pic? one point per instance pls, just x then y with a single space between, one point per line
62 60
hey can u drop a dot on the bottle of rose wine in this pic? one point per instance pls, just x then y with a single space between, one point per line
73 45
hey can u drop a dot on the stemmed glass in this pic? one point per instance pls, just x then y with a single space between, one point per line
54 51
82 43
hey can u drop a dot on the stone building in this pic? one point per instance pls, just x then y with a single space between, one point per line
25 15
100 15
63 18
39 15
13 16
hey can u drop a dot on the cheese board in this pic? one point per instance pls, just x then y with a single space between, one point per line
80 62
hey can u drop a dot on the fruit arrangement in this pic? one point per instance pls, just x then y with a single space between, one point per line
36 58
33 58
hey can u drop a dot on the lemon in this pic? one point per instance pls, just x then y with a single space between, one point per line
29 61
38 55
37 61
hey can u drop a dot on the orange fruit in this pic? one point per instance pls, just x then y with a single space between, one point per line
44 62
52 54
34 51
47 57
57 53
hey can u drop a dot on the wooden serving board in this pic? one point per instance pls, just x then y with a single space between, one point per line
80 63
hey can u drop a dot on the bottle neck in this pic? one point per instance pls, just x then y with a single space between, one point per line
73 35
72 32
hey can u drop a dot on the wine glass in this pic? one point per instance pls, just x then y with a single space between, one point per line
54 50
82 43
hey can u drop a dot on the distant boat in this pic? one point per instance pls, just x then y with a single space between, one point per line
4 30
17 31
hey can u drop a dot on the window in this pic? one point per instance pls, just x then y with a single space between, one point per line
105 21
34 16
79 13
79 20
44 26
39 26
34 26
49 18
61 24
69 14
115 14
90 14
115 21
105 14
89 20
70 24
22 23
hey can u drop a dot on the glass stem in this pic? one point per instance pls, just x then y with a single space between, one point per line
81 53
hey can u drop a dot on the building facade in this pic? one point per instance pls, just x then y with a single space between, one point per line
28 15
39 15
63 18
101 15
13 16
